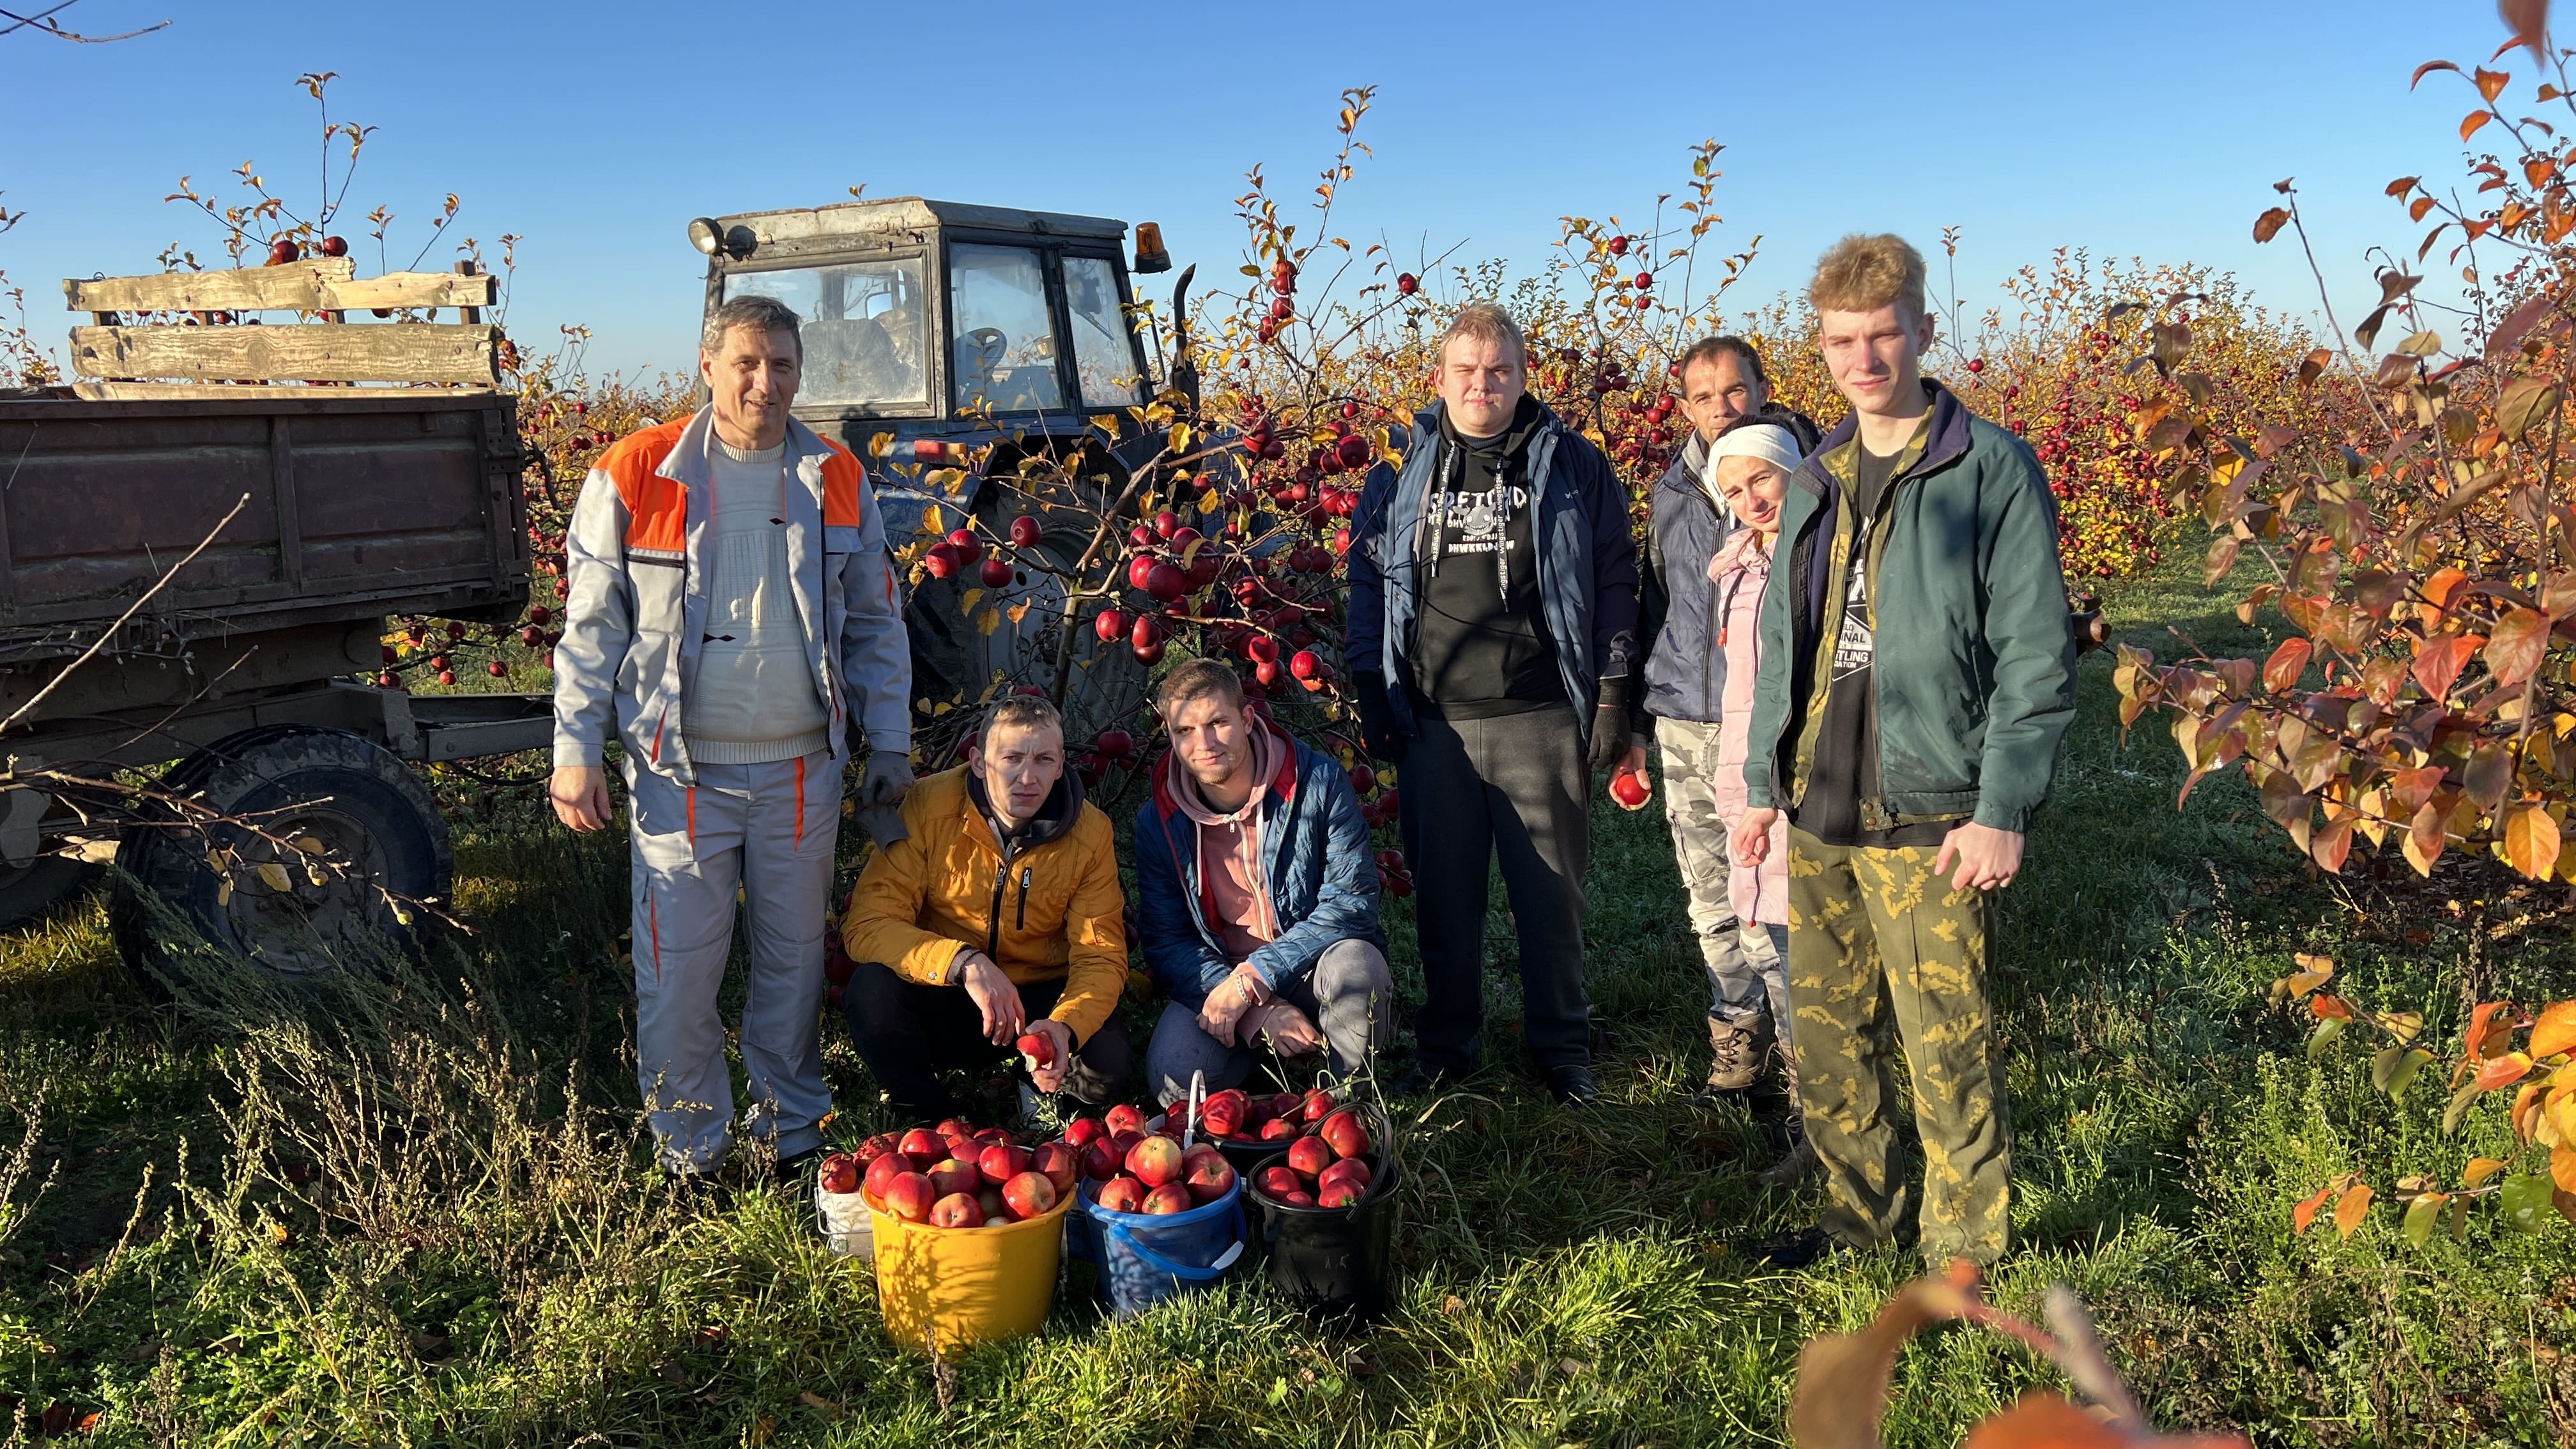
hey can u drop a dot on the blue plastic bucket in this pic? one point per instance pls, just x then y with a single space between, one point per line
1145 1258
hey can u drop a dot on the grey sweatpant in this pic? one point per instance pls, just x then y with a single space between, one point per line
767 832
1348 995
1513 789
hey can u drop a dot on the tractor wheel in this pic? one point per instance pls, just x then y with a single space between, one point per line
28 891
951 648
359 832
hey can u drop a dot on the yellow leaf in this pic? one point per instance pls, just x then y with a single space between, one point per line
2555 1031
2562 1169
310 845
2349 1209
223 892
2479 1170
1209 502
933 521
274 876
966 600
988 621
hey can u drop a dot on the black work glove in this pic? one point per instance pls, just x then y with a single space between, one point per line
1378 729
1610 726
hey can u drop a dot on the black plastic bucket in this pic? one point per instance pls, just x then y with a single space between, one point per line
1335 1263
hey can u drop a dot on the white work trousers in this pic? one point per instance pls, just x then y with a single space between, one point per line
767 831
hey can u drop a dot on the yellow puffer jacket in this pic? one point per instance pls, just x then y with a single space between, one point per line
1053 912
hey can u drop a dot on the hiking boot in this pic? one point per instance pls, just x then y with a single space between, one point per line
1572 1086
1800 1163
1736 1053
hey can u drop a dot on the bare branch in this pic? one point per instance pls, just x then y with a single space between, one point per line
44 23
110 631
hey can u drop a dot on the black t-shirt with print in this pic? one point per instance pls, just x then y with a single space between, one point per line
1845 771
1481 646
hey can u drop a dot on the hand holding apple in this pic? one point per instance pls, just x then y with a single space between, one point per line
1053 1061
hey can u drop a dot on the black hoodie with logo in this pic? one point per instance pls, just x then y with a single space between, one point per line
1481 647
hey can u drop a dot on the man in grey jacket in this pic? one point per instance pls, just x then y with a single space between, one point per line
730 613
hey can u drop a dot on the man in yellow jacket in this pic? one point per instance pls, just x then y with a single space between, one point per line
999 916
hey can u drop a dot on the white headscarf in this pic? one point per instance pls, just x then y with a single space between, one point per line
1770 442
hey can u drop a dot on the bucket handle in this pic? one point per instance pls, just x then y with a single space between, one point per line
1161 1264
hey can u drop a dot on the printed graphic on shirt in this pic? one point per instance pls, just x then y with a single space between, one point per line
1857 643
1475 520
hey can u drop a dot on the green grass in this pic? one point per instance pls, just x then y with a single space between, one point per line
413 1208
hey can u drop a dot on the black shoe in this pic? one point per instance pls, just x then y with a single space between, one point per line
1422 1081
1800 1249
1572 1086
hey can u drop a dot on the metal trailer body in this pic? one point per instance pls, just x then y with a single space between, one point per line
351 509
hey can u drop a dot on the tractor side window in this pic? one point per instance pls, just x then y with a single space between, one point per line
862 327
1004 334
1104 353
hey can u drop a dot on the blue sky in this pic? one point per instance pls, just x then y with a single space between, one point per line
596 131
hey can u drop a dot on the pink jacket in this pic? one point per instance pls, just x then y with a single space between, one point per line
1741 568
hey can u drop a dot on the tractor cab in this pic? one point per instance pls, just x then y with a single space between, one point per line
936 319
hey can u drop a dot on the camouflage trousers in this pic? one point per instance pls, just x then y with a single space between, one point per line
1741 987
1882 951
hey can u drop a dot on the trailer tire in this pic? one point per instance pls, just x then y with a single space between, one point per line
377 831
28 891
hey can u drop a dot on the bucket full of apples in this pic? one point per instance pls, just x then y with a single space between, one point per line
1328 1209
1250 1127
1165 1214
968 1229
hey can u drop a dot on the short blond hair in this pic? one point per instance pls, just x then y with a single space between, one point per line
1485 322
1864 273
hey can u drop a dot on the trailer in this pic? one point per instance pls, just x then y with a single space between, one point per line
202 542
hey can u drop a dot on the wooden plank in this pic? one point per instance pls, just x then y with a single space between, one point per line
468 268
242 392
411 289
295 286
281 478
397 352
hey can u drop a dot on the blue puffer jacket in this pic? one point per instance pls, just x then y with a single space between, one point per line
1677 605
1321 873
1587 564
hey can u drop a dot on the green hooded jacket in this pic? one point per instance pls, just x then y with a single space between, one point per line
1974 668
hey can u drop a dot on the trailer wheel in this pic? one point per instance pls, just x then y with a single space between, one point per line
28 891
361 839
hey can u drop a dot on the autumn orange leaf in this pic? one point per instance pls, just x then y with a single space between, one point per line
2350 1208
2554 1031
2306 1212
2479 1170
2042 1420
2503 1071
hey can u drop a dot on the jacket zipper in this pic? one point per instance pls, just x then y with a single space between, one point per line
1001 879
1026 872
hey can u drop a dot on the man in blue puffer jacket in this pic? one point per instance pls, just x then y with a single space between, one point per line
1258 909
1492 642
1678 631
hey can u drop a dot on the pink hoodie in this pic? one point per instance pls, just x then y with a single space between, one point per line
1740 569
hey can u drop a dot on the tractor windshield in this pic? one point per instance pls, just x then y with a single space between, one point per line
1005 336
1104 352
863 330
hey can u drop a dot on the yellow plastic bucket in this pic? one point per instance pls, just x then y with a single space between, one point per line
941 1289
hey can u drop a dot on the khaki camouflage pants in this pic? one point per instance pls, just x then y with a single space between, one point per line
1882 951
1741 989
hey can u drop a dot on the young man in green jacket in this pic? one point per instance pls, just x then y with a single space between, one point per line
1917 675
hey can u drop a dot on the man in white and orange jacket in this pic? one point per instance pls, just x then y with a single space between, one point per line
730 615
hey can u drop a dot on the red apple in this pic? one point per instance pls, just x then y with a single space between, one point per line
1344 1134
882 1173
282 251
1024 531
1224 1112
1122 1194
990 1200
1099 1161
957 1210
1110 625
1298 1199
1122 1143
958 1175
876 1147
1320 1104
1166 582
335 246
1170 1198
1003 1161
1279 1129
1277 1182
996 573
923 1146
1039 1048
969 547
1059 1164
1028 1195
1340 1195
1283 1104
908 1197
1124 1118
1210 1179
1156 1161
1349 1169
1406 284
839 1173
1304 664
942 561
955 1127
1309 1156
992 1136
1083 1131
1629 788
